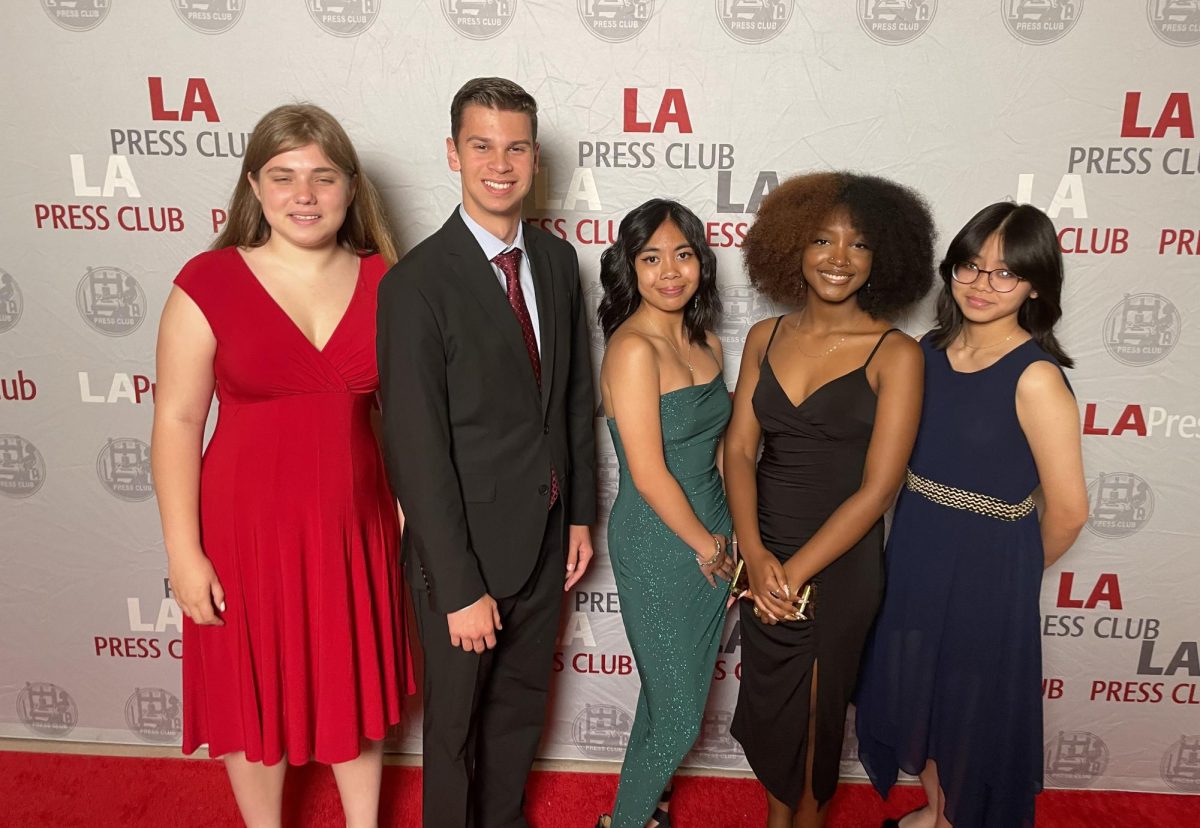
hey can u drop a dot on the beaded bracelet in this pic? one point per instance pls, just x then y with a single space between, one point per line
716 554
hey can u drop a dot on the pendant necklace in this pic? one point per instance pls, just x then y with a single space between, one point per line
821 355
687 361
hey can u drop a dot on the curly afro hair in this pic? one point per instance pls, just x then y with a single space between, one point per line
893 219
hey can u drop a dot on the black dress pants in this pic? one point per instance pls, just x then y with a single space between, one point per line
484 713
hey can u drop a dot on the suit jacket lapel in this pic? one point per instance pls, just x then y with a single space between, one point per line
543 282
476 273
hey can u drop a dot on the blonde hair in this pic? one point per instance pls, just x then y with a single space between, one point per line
290 127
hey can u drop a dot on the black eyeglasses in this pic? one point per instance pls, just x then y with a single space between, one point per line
1001 281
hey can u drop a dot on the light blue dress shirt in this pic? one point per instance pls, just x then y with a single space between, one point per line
492 247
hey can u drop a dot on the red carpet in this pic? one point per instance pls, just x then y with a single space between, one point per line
58 791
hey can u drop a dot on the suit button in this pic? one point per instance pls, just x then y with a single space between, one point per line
545 429
543 489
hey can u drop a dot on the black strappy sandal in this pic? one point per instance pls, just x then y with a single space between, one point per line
660 816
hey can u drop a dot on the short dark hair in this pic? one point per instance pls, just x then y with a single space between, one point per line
493 93
1031 250
618 275
894 220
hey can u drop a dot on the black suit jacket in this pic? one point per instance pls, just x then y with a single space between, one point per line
468 440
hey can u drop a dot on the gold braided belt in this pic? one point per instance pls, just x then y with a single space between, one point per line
980 504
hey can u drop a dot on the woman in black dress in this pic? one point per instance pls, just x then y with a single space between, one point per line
832 392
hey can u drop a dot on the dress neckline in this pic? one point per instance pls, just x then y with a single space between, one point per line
690 387
797 406
953 370
766 360
288 318
720 376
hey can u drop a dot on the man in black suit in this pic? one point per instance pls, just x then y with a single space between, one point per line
486 384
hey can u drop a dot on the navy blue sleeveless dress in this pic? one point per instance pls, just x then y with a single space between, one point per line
953 668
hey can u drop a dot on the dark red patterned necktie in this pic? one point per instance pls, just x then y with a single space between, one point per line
509 263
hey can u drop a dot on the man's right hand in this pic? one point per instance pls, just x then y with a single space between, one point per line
474 628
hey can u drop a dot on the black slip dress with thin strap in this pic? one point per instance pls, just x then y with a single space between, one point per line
812 460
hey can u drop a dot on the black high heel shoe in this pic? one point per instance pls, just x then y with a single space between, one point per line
660 816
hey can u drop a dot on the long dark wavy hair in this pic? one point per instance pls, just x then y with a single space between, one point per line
1031 251
618 276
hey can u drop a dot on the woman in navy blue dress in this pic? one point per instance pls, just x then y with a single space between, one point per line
950 687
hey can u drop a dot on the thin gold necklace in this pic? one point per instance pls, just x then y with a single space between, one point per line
985 347
688 360
823 354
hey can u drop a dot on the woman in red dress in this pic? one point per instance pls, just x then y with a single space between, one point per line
282 539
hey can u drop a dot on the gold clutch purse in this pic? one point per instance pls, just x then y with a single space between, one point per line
805 603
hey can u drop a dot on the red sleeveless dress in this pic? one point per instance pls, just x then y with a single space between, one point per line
301 527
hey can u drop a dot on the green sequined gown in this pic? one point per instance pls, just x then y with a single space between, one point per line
673 617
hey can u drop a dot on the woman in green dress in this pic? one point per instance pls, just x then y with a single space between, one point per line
667 407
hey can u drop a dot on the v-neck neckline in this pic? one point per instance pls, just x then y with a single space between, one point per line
815 391
292 322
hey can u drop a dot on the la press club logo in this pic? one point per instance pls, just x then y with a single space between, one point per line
741 307
1168 669
607 481
1176 22
22 467
123 467
47 709
1155 119
173 106
209 16
1141 329
657 134
602 730
344 18
154 633
754 21
479 19
715 744
592 297
895 22
1076 758
1180 765
77 15
12 303
615 21
1120 504
110 301
155 715
1038 22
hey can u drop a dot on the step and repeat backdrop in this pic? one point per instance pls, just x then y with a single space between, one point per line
124 124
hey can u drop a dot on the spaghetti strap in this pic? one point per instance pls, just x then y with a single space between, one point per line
877 344
774 331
